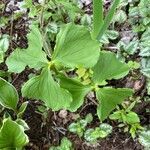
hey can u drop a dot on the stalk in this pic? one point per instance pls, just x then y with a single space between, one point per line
108 19
97 17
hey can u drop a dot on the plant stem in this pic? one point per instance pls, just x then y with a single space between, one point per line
11 30
108 19
42 28
97 17
41 16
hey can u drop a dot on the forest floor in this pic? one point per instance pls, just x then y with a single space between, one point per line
47 131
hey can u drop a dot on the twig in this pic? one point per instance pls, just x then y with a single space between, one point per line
11 30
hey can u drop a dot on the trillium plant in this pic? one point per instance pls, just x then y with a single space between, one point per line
76 47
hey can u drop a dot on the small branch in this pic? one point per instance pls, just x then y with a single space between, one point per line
11 30
111 48
41 15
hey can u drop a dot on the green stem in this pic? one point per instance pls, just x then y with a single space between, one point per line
108 19
97 16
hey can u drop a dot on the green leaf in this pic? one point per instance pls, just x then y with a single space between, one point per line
65 145
77 89
109 98
22 109
132 118
112 34
97 17
108 19
35 40
23 124
106 127
116 115
145 52
8 95
4 43
92 135
133 65
120 17
89 118
33 56
78 127
44 87
12 135
75 47
144 139
109 67
145 39
145 66
148 86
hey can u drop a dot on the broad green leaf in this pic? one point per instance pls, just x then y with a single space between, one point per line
109 98
97 17
33 56
43 87
8 95
12 135
77 89
132 118
75 47
35 40
109 67
108 19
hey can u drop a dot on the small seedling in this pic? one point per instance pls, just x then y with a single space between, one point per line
64 145
133 65
92 135
127 119
80 126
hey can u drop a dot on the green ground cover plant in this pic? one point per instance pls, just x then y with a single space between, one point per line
8 138
74 47
67 54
